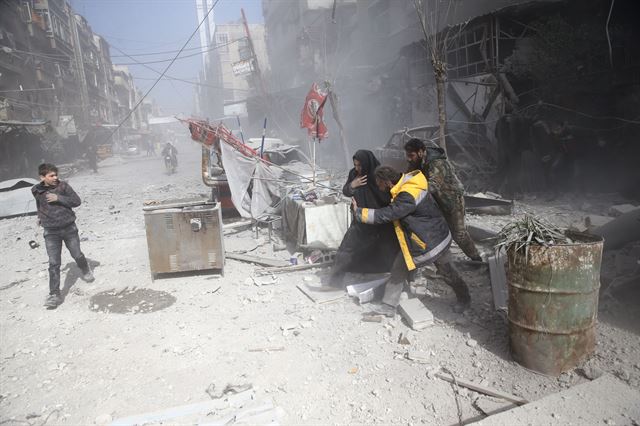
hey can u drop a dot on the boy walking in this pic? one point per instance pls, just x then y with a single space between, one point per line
55 200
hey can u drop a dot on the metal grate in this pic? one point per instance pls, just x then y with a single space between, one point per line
212 258
173 262
168 221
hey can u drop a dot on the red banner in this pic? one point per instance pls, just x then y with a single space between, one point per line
311 116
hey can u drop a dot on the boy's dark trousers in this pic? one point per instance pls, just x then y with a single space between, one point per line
53 238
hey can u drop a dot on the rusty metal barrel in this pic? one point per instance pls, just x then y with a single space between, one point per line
553 303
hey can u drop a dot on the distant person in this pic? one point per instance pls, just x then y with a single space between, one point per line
364 248
55 200
422 233
446 189
151 149
172 152
92 157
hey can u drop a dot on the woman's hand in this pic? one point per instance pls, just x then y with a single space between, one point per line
359 181
354 205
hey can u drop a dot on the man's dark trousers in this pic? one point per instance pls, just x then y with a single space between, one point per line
53 238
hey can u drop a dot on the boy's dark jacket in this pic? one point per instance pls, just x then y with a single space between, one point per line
57 214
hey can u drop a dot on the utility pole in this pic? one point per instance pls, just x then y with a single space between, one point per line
84 94
257 72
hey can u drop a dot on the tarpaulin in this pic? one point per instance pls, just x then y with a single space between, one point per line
312 112
240 171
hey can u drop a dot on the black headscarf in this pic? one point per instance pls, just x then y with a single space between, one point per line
369 195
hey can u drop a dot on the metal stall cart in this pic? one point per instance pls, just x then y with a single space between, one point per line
184 235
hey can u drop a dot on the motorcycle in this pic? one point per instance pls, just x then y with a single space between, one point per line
170 163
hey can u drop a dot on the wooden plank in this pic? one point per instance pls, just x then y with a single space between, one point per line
321 295
293 268
240 224
257 260
482 389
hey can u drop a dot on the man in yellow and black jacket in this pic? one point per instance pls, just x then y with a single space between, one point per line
422 232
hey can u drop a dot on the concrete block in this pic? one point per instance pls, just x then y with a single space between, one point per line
416 314
620 209
594 221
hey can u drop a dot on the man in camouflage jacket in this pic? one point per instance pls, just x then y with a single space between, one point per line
445 187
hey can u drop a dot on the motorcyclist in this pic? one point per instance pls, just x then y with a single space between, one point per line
172 152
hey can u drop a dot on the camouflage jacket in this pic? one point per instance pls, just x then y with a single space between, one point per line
444 185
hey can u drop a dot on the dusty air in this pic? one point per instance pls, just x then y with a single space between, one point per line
319 212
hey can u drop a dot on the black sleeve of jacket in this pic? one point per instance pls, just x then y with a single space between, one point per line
403 205
68 197
346 189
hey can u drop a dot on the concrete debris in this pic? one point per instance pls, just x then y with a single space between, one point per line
594 221
620 209
403 339
319 294
416 314
185 410
267 280
227 390
365 291
604 400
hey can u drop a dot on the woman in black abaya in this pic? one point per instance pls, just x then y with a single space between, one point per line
365 248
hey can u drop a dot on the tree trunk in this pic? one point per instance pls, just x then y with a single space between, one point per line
442 110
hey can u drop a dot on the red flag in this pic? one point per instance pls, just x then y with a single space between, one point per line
311 116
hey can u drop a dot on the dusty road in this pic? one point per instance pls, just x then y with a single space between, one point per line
76 366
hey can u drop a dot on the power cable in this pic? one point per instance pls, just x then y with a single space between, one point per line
168 77
180 57
163 72
128 55
28 90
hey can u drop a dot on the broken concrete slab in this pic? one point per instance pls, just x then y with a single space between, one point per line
620 209
498 274
417 315
621 230
605 400
365 291
319 294
594 221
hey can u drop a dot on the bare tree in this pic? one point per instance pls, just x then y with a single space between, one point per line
436 43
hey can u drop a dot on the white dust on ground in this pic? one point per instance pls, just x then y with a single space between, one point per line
334 369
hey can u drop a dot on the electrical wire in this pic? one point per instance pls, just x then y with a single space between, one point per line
168 77
128 55
179 57
28 90
163 72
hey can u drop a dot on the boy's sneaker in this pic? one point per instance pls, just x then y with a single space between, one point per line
53 300
88 276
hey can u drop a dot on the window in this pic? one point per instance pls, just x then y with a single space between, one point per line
464 56
222 42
